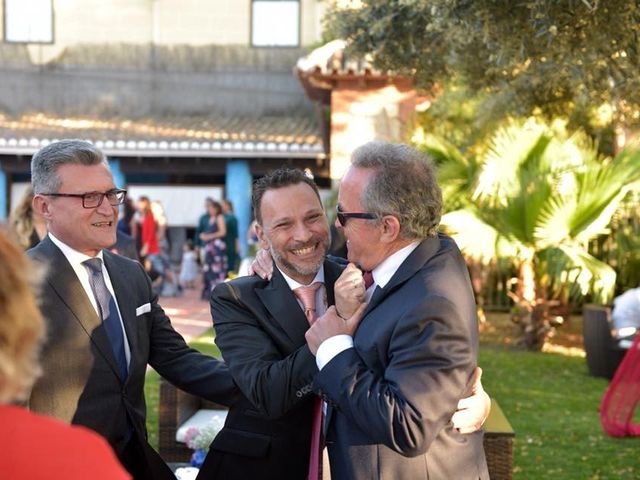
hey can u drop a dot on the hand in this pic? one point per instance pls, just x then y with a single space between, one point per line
474 410
331 324
349 291
262 265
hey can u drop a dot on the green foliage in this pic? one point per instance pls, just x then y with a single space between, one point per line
566 57
536 193
621 249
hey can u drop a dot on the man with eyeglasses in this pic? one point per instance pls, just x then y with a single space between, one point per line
260 327
104 322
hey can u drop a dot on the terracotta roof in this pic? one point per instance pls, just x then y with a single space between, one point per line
323 68
273 136
330 60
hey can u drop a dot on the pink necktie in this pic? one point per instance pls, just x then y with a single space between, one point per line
307 296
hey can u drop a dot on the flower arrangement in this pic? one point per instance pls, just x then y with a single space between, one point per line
200 438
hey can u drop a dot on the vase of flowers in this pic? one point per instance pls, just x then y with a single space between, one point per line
199 438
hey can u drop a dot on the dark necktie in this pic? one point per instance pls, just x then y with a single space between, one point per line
108 313
368 279
307 295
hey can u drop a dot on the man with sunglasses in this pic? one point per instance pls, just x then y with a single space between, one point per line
104 322
260 329
393 383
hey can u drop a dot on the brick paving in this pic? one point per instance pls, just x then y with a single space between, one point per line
188 313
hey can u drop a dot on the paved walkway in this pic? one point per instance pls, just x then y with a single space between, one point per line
189 315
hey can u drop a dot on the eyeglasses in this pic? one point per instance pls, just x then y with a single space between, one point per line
115 197
344 216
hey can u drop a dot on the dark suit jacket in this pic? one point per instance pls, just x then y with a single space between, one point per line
260 330
80 382
393 395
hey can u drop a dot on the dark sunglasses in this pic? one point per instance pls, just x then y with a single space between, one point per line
344 216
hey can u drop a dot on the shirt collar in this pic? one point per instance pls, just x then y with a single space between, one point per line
293 284
387 268
73 256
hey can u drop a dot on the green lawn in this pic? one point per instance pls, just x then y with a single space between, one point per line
549 399
205 344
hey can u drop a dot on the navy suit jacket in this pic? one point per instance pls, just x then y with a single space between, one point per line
392 396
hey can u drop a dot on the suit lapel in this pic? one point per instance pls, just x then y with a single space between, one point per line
414 262
331 273
281 302
64 282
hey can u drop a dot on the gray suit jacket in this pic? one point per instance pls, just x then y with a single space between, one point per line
392 396
80 383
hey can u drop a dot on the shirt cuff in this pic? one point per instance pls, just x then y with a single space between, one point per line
331 347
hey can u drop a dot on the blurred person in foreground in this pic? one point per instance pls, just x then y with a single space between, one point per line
393 380
26 226
260 327
105 324
32 446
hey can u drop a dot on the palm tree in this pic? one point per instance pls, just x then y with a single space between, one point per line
537 195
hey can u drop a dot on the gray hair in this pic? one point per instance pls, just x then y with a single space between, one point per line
47 160
404 184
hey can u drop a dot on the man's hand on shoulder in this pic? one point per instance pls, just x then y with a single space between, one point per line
262 265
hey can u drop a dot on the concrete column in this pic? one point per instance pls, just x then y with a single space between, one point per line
4 212
119 178
238 189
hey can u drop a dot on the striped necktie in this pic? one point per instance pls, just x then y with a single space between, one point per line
108 313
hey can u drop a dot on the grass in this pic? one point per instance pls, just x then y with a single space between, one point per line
552 404
203 343
549 398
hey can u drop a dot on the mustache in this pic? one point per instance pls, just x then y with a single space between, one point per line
311 243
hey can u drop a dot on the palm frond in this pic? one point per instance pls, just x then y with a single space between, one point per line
591 275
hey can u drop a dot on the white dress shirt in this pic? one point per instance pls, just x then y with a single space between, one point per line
76 258
321 293
381 276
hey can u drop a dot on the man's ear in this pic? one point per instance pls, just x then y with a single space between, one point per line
261 236
40 204
390 229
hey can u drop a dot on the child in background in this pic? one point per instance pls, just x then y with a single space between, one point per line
189 266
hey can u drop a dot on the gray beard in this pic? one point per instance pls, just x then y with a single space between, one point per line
289 267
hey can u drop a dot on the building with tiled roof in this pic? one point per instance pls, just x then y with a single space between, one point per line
202 97
361 103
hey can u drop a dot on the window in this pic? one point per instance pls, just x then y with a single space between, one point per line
275 23
28 21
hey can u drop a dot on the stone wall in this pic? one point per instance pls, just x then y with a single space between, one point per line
146 80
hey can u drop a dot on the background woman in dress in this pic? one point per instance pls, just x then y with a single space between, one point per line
214 269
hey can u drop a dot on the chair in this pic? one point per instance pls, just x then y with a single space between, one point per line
176 407
498 443
603 355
